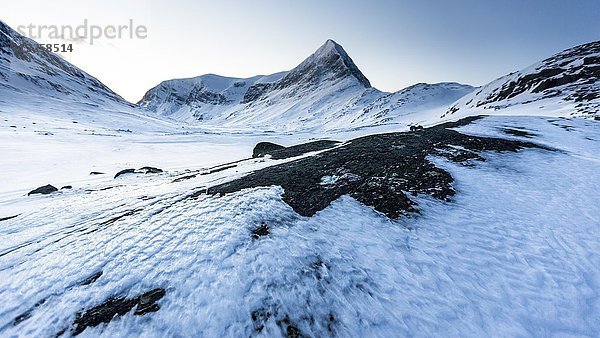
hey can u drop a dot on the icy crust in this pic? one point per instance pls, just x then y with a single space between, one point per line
514 254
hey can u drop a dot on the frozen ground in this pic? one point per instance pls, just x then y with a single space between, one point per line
515 253
50 142
44 145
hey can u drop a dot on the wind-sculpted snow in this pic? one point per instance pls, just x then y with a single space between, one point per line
516 252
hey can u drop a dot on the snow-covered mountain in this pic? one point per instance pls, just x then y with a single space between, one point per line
28 70
485 226
327 90
566 84
39 87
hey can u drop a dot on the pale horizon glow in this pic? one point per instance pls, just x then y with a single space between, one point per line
395 44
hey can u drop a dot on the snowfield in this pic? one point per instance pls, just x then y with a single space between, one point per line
516 252
165 225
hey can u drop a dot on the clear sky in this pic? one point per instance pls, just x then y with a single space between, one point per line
395 43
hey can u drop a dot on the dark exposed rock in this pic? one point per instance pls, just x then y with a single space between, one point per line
416 128
45 190
380 171
330 62
96 173
27 314
260 231
123 215
105 312
149 170
256 91
183 178
263 148
203 95
143 170
125 171
291 331
91 279
66 187
335 64
278 152
561 74
218 168
554 76
261 316
7 218
516 132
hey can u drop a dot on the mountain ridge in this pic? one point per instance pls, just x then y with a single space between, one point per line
325 90
566 83
28 68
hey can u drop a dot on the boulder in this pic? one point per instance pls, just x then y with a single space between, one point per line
263 148
44 190
125 171
149 170
143 170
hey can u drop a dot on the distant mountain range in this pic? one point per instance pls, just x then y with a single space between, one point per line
327 91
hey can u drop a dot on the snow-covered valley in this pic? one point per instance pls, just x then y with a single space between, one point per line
515 252
225 207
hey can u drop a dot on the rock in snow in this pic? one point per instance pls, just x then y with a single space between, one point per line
384 169
449 229
105 312
44 190
143 170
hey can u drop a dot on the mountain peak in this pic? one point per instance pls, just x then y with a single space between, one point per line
330 46
329 60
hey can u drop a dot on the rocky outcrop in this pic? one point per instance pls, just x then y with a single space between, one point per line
381 171
143 170
105 312
278 152
44 190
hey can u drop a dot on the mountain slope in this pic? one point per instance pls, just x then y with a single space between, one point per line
39 87
566 84
28 69
326 91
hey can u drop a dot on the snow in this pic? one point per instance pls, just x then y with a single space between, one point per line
315 96
516 253
576 66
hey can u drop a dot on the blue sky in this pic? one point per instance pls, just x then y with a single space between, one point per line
394 43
